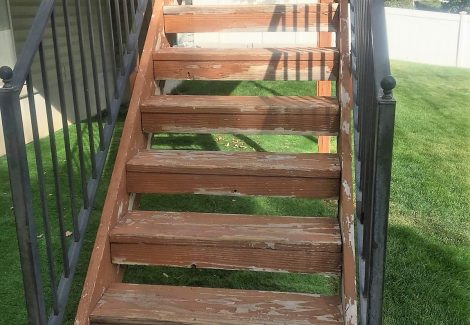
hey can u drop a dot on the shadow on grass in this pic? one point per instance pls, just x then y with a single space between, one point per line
426 282
247 280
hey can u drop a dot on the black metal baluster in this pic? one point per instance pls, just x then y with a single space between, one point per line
126 21
117 12
42 194
104 62
76 107
94 67
65 127
113 51
22 197
86 88
55 163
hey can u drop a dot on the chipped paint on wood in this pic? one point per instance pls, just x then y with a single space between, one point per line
346 204
241 114
277 244
253 18
123 303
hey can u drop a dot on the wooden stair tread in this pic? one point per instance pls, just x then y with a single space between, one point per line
234 173
236 163
229 230
297 63
246 54
154 304
240 114
228 241
198 104
260 18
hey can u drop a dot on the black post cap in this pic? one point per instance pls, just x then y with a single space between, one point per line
6 73
388 83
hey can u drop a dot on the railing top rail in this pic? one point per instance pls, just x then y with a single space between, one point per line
31 46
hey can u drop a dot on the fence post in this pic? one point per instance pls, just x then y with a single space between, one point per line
381 195
461 39
22 197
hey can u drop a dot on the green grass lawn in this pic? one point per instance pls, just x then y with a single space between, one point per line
428 262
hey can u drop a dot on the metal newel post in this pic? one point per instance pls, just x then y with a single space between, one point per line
22 196
383 157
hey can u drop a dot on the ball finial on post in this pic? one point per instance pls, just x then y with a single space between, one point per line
387 84
6 74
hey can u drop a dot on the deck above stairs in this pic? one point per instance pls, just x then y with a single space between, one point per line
131 236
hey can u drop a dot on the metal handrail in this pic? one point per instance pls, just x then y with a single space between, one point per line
374 115
42 309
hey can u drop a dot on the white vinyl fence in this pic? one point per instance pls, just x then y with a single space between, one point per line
429 37
413 35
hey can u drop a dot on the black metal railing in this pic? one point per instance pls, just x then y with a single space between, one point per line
374 118
67 87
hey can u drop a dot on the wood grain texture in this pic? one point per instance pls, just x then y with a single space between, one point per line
246 64
241 114
234 173
260 18
346 204
307 165
125 304
302 187
101 272
221 241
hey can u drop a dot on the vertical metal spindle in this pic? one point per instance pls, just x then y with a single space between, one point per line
132 12
55 163
94 68
113 51
86 88
76 107
22 197
117 13
126 21
104 63
42 194
65 127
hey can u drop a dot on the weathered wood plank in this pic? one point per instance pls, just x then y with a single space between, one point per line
346 204
101 272
292 244
302 187
125 304
241 114
235 163
246 64
234 173
295 54
260 18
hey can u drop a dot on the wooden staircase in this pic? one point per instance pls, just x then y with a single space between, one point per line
129 236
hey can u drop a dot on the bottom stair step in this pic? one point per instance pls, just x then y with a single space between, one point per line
125 304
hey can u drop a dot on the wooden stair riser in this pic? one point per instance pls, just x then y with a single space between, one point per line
259 18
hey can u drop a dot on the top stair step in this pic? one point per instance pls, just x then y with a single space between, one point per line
258 18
